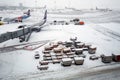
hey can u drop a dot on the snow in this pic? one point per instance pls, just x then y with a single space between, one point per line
99 30
66 59
78 49
92 46
79 58
111 25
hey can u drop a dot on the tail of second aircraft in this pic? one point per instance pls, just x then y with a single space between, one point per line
27 13
45 15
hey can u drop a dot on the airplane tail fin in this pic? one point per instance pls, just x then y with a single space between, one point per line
45 15
28 13
0 18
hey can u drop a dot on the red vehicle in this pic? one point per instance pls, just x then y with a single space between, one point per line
116 58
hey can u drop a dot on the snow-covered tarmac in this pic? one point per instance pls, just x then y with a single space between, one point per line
101 29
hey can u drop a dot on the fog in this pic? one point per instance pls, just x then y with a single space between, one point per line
64 3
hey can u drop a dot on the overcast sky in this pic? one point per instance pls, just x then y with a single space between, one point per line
62 3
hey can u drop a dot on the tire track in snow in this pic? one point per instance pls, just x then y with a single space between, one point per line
107 32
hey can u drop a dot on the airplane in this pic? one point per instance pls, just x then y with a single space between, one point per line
16 19
24 31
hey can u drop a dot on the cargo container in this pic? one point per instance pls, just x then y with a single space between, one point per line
68 44
59 57
47 48
43 62
47 58
66 61
66 50
80 45
71 53
70 56
87 45
106 58
92 49
116 57
46 52
37 56
47 55
57 50
56 61
94 57
58 54
54 45
78 51
45 67
78 60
